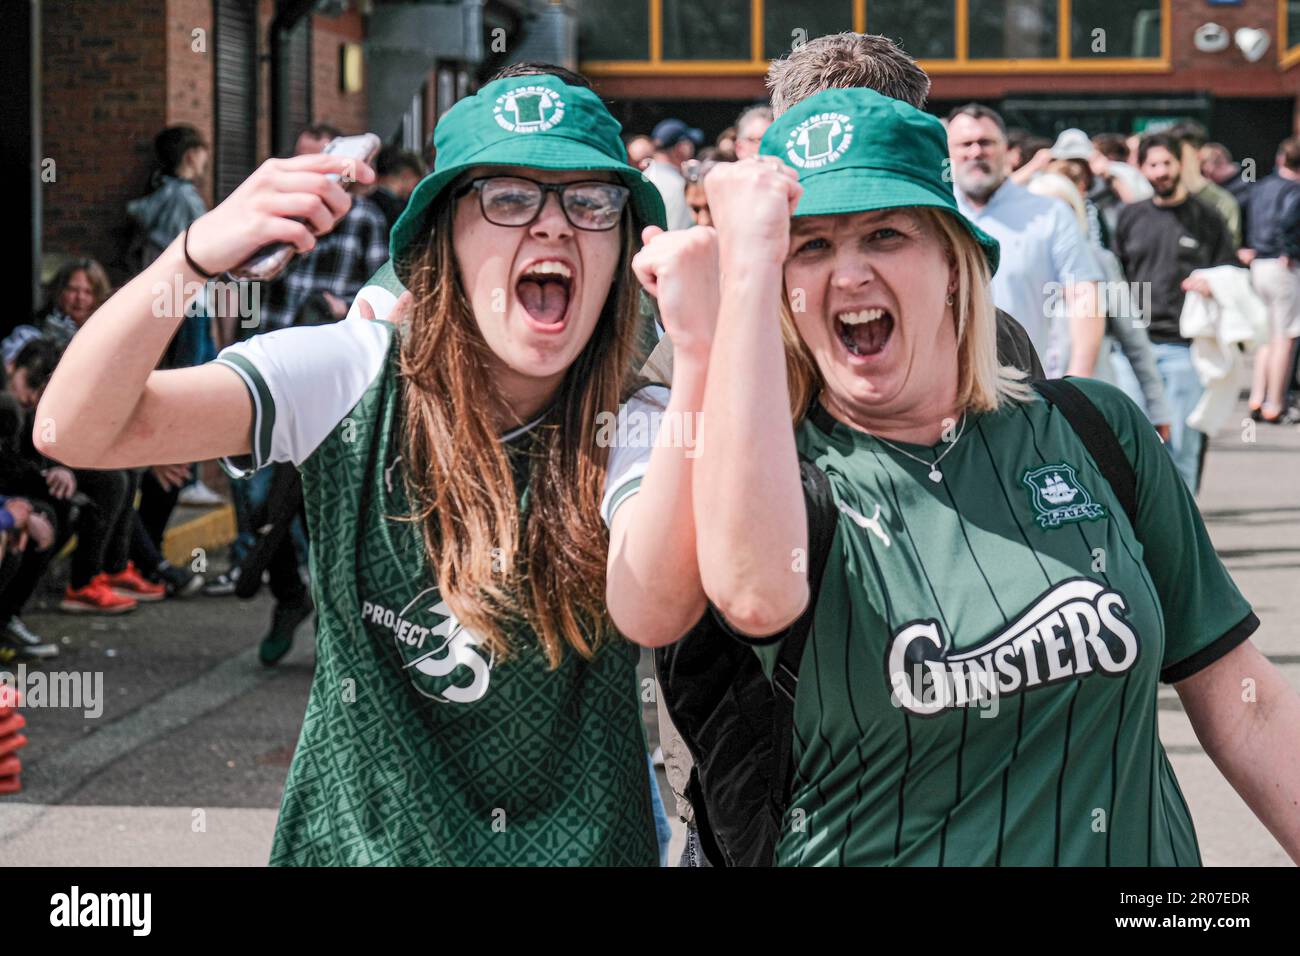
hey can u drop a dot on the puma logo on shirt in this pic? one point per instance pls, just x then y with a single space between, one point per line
872 524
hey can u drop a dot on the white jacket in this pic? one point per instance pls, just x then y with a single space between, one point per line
1217 327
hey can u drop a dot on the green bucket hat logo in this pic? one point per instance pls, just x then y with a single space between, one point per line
819 140
530 109
534 122
858 151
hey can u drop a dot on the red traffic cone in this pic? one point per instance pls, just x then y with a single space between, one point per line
10 740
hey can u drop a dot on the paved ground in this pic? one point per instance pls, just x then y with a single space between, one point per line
186 763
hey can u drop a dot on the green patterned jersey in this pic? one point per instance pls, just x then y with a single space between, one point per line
980 683
418 747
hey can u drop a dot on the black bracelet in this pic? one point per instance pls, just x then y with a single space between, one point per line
185 245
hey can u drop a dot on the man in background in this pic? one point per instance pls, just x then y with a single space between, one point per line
1191 137
397 172
750 127
640 150
1160 242
314 138
1217 166
674 144
340 262
1045 258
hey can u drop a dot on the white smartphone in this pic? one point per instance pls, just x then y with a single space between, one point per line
269 261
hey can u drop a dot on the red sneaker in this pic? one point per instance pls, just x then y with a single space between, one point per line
95 598
130 583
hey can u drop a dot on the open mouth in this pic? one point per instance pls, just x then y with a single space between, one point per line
866 331
544 290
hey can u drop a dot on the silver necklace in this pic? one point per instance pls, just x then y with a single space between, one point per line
935 474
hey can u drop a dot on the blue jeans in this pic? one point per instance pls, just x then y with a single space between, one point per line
248 494
663 830
1182 391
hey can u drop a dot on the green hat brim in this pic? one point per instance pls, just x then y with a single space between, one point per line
551 153
839 191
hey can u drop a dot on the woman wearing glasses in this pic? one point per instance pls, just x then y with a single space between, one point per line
471 704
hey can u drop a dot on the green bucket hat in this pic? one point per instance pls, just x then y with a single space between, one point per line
858 151
538 121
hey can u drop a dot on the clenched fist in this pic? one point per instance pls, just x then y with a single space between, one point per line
751 203
680 269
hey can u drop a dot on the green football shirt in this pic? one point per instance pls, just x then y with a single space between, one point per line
979 685
419 748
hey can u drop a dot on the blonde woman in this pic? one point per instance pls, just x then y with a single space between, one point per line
979 680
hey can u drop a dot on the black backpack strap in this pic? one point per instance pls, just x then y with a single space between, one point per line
822 517
1097 436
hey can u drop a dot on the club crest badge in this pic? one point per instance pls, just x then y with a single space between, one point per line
529 109
1058 497
819 140
444 660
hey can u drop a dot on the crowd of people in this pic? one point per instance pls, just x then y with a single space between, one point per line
113 521
868 311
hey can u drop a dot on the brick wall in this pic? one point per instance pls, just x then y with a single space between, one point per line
330 104
1224 74
190 72
103 89
114 73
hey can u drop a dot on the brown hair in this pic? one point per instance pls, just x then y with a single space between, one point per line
983 383
537 68
846 61
95 273
499 566
1114 146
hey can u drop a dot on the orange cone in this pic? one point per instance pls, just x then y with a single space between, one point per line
10 740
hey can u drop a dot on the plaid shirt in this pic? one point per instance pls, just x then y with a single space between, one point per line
341 263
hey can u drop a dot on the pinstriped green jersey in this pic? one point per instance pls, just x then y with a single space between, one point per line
980 684
418 746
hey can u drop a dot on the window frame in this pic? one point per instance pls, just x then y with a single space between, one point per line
656 65
1287 56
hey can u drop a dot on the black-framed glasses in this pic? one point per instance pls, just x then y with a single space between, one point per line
516 201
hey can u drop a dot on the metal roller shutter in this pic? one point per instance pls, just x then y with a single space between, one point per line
235 94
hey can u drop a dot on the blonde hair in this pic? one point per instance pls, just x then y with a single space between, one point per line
1054 184
984 384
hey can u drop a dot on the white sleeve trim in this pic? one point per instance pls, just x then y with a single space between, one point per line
304 381
632 443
